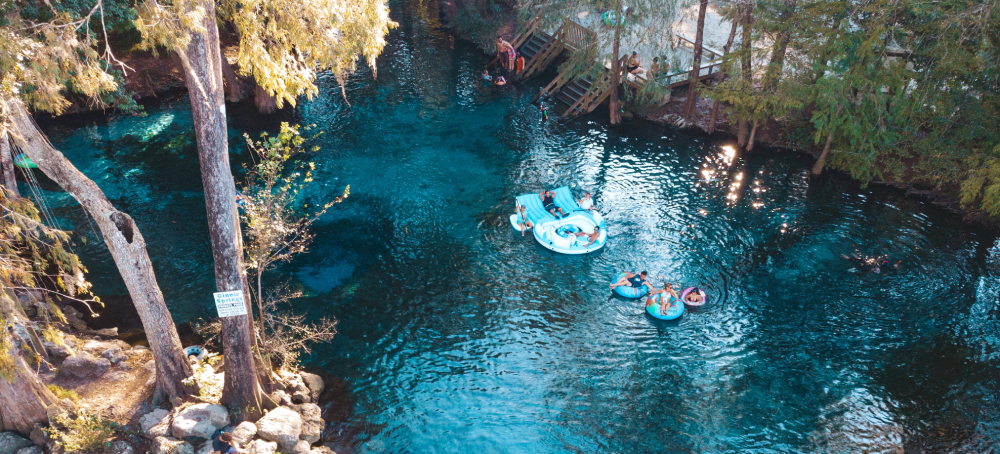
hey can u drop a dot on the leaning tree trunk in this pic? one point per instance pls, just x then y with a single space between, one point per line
818 168
23 397
233 91
745 63
128 249
202 67
753 133
692 98
613 103
725 50
7 166
266 103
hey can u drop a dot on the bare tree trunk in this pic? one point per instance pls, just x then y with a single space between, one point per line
616 111
745 63
128 249
818 168
725 50
266 104
692 98
777 63
7 166
202 65
24 398
233 91
753 133
180 66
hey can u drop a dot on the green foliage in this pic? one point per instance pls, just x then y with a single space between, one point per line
480 20
63 393
83 433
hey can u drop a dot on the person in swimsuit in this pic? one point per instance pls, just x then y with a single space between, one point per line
523 222
872 264
591 236
654 69
487 78
548 201
587 203
633 63
665 302
506 53
694 296
632 280
545 111
500 81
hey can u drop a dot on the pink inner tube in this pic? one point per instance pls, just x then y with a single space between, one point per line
684 294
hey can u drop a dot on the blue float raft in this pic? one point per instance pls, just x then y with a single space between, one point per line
628 291
656 310
558 234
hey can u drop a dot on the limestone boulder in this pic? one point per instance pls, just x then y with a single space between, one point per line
262 447
155 423
31 450
302 447
114 354
58 351
201 420
315 384
85 365
321 450
120 447
38 435
312 422
244 432
166 445
281 425
11 442
204 448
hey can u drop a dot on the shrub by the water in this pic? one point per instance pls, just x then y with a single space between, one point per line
81 434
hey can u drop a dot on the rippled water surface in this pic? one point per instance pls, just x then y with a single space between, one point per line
457 335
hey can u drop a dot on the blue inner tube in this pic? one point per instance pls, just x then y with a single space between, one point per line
627 291
197 351
676 308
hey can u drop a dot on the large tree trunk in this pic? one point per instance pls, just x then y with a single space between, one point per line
266 104
692 99
745 63
725 50
613 103
7 166
753 133
128 249
818 168
202 66
24 398
774 67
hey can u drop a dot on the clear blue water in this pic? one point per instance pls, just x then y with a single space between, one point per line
457 335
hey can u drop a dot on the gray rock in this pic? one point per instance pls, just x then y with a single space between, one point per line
38 436
244 432
155 423
315 384
114 354
300 397
120 447
282 425
11 442
302 447
58 351
165 445
106 332
30 450
85 365
200 420
312 422
321 450
204 448
262 447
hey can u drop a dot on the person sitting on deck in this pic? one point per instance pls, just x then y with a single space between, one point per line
694 296
633 63
523 222
587 203
549 202
665 302
654 69
632 280
591 236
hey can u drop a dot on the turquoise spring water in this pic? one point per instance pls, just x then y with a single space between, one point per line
457 335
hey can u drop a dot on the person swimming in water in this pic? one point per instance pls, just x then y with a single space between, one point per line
487 78
694 296
523 222
545 112
635 280
500 81
548 201
591 236
665 301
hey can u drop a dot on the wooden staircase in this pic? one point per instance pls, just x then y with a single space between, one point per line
579 95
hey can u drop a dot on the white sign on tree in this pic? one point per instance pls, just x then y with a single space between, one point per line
230 304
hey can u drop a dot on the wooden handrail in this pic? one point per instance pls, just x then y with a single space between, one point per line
576 35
